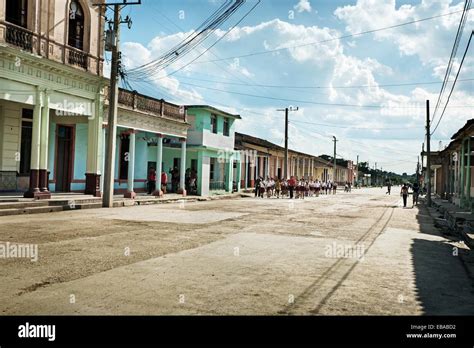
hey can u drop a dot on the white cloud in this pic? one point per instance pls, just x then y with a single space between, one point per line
326 64
302 6
430 40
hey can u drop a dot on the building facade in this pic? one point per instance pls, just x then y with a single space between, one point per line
51 96
151 136
261 158
211 139
452 169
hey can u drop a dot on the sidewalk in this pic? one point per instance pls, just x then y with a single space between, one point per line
453 220
15 204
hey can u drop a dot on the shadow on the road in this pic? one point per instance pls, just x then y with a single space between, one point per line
443 284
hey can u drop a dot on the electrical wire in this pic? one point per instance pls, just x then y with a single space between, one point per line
454 84
337 38
449 67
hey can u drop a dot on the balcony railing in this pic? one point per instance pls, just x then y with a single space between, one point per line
78 58
19 36
149 105
49 48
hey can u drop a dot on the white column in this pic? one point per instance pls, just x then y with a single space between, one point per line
257 165
159 165
304 167
94 149
298 167
43 161
102 161
267 166
131 166
34 186
36 133
182 170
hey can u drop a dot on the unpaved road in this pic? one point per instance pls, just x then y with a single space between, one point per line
348 254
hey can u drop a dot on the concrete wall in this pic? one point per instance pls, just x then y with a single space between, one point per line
200 131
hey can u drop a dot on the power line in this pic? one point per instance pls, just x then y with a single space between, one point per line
457 39
352 127
224 12
454 84
216 42
311 102
321 87
336 38
224 69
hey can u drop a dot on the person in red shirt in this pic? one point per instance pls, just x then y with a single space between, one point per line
151 180
164 181
291 186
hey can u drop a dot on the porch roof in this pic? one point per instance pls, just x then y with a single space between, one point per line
465 128
213 109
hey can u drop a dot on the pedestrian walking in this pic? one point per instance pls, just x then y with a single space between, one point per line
291 186
416 193
389 188
277 187
404 194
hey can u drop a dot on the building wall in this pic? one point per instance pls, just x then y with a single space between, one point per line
200 132
10 128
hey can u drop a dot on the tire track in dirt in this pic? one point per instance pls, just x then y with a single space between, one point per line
335 267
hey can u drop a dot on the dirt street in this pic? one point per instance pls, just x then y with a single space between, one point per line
348 254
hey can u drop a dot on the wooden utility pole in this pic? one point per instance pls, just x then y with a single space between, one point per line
286 144
109 170
428 154
285 165
335 163
114 41
357 171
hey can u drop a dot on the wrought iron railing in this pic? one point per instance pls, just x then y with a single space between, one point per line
77 57
19 36
126 98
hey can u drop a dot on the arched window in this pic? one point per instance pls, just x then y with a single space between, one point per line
16 12
76 25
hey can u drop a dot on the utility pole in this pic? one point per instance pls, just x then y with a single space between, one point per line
287 110
334 169
376 175
357 172
418 170
428 154
109 170
114 42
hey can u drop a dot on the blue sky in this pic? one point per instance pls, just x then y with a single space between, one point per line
390 133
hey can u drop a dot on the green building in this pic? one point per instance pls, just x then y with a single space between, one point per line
210 149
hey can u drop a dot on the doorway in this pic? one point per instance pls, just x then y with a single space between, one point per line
64 158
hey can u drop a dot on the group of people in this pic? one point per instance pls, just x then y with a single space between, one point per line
404 192
190 180
294 188
152 181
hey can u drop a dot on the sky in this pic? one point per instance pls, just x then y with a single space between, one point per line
290 53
